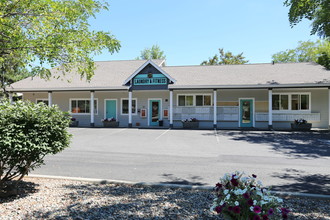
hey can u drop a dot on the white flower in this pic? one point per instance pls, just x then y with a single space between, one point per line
279 200
259 182
222 202
213 207
228 197
226 191
236 203
251 208
254 202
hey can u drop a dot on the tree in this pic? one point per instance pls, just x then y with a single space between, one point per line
307 51
225 58
38 34
318 11
152 53
28 132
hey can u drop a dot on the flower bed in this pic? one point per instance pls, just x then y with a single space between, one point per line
301 125
190 123
74 122
110 123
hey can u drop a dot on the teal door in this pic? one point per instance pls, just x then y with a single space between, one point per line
111 109
154 112
246 113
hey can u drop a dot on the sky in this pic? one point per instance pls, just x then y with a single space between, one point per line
191 31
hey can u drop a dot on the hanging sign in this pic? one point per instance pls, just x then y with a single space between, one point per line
150 81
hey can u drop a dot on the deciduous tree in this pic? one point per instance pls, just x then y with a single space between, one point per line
225 58
152 53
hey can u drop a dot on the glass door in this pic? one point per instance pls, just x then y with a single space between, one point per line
154 112
246 113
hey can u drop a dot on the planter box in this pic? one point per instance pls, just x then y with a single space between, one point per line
302 127
74 124
190 124
110 124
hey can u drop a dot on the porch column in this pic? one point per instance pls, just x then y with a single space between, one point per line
91 110
50 98
171 108
270 108
214 108
130 109
329 106
10 96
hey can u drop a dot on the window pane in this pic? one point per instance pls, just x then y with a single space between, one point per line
284 102
125 106
276 102
95 106
207 100
189 100
199 100
87 107
295 102
133 106
304 102
181 100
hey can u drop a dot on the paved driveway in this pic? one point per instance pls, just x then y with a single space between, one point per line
287 161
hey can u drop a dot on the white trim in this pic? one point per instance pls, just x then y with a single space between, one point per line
91 106
160 110
194 99
97 106
239 112
214 107
290 102
171 107
50 99
270 107
105 108
144 65
329 105
121 106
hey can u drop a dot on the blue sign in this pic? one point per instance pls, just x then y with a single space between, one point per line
150 81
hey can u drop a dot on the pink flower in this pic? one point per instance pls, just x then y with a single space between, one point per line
218 209
284 216
256 217
234 182
254 176
246 195
250 202
230 208
257 209
270 211
265 217
237 209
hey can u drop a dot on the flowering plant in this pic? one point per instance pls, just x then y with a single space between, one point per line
244 198
73 119
190 120
108 119
300 121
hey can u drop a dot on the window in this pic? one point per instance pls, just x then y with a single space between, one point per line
292 102
82 106
124 106
45 101
194 100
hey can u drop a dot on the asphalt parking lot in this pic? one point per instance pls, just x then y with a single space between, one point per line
288 161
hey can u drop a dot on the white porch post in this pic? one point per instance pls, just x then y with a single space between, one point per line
270 108
50 98
171 108
214 108
91 110
329 106
130 109
11 98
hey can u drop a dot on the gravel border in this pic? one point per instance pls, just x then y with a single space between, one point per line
44 198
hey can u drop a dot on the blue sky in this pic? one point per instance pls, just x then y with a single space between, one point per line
192 31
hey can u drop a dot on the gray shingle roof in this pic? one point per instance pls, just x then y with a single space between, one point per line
111 75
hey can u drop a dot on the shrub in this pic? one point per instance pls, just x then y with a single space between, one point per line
29 132
239 197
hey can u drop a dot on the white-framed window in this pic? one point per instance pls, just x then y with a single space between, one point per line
124 106
291 102
82 106
45 101
194 100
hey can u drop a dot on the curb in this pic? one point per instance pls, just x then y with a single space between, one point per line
179 186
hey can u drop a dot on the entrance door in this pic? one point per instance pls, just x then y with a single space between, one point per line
246 113
154 112
111 109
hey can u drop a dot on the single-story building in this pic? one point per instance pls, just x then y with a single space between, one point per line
140 93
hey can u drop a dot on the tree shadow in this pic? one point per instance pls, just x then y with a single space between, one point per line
190 181
21 190
295 144
302 183
118 201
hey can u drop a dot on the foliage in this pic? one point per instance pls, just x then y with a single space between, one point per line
300 121
318 11
239 197
152 53
190 120
38 34
28 132
225 58
306 51
108 119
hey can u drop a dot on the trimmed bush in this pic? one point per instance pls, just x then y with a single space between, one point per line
29 132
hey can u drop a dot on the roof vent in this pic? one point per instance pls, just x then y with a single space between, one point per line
273 82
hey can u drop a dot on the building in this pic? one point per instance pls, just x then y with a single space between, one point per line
140 93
